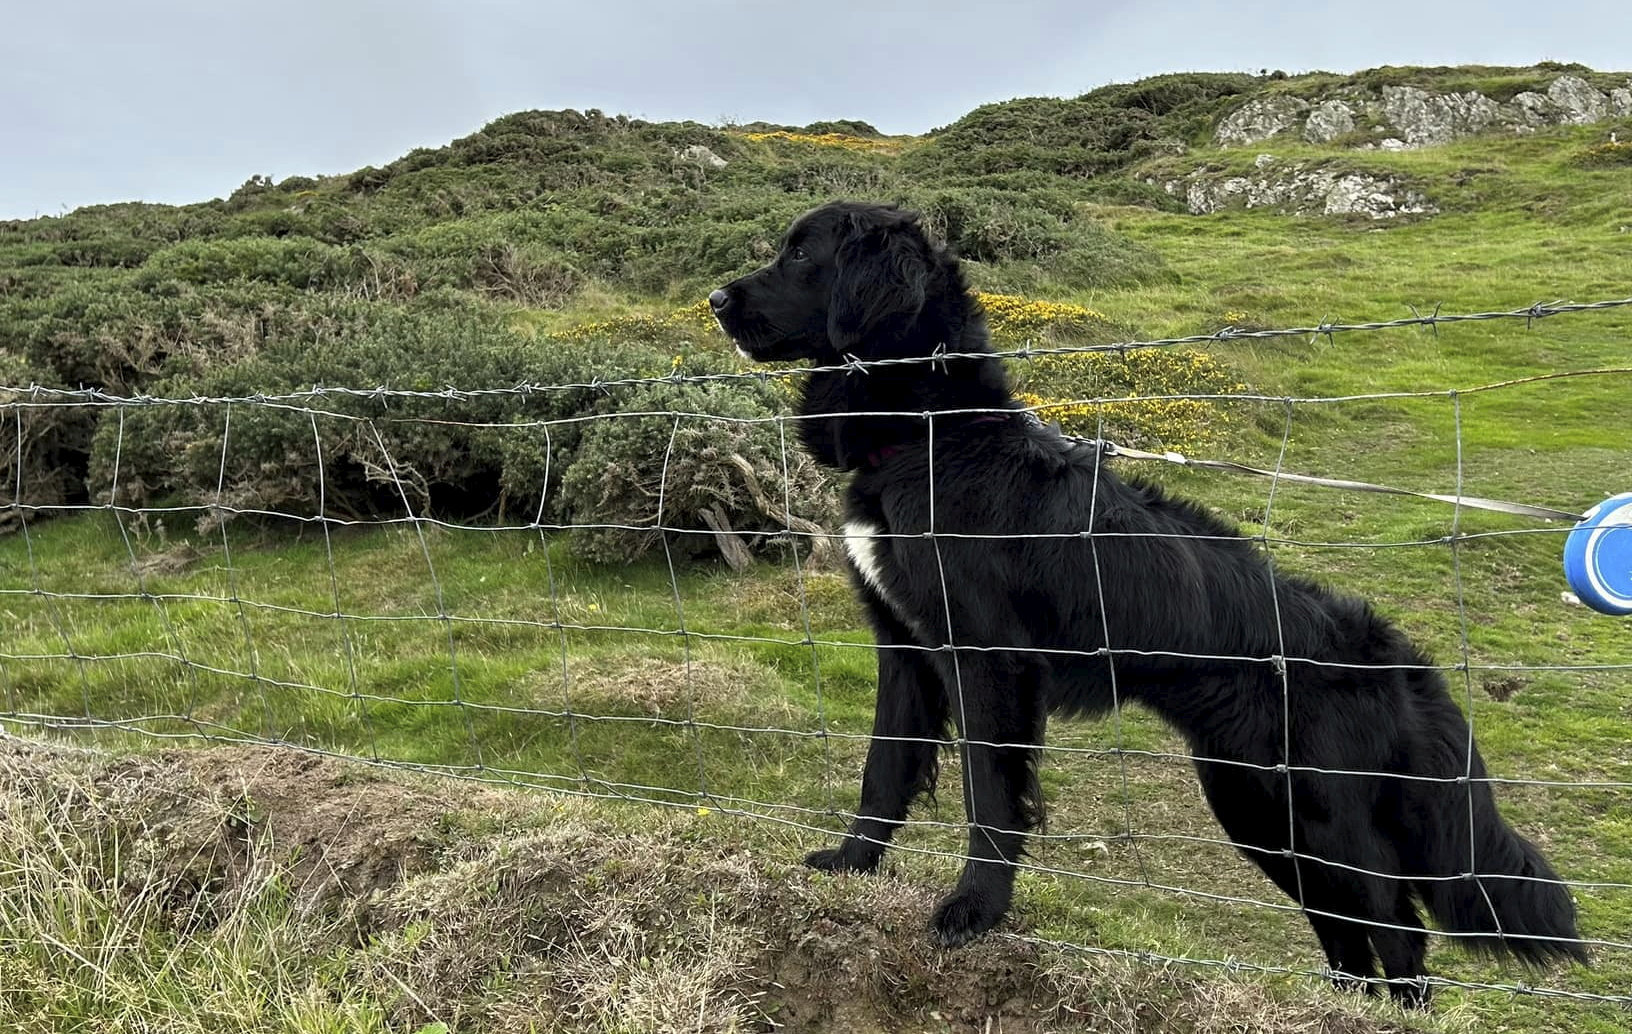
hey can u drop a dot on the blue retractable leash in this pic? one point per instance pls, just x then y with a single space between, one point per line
1598 556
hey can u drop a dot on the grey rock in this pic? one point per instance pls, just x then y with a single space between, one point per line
1260 119
1620 101
700 155
1379 198
1304 192
1330 120
1535 109
1424 119
1578 102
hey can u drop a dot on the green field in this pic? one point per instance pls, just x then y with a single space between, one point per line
476 645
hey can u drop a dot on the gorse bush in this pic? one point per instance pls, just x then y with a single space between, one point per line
1013 319
995 226
692 323
1608 154
564 454
722 461
370 453
1121 395
40 447
299 262
846 141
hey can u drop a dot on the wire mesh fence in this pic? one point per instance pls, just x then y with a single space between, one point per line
415 634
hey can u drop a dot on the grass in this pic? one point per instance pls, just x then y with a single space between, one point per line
599 706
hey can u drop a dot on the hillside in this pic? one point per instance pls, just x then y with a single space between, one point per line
459 581
545 219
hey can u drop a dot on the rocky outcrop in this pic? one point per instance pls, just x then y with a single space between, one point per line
1422 119
1401 117
700 155
1260 119
1300 190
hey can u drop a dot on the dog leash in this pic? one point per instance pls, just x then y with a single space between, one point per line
1597 553
1546 513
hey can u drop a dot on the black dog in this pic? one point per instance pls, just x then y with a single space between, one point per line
1009 612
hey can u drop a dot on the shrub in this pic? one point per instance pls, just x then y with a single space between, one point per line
107 252
527 275
1037 236
1609 154
707 473
299 262
42 449
842 140
1013 319
695 322
560 453
1168 94
847 126
992 226
272 454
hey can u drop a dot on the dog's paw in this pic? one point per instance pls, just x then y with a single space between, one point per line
838 859
962 916
1417 994
1349 984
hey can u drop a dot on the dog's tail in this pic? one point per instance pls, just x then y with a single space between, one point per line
1514 904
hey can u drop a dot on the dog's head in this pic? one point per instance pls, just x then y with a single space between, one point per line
850 279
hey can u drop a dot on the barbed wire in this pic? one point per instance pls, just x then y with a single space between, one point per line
37 393
189 667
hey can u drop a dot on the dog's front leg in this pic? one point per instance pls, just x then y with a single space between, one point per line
997 705
908 719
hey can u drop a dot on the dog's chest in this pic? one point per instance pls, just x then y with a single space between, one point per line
866 550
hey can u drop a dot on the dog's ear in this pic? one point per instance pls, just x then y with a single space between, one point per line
881 282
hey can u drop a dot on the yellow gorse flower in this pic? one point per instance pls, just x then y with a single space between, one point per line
692 321
1014 318
1060 387
1611 152
841 140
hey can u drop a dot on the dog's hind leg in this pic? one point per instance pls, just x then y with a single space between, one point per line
1347 944
1403 948
1250 806
1348 953
909 717
998 707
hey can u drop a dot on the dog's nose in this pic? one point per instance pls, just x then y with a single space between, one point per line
718 300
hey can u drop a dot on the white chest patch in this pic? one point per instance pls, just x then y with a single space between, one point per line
861 543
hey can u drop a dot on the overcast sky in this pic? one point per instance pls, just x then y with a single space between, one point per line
182 100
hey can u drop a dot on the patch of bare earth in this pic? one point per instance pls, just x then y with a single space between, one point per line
509 911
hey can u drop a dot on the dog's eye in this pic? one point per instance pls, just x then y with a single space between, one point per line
798 255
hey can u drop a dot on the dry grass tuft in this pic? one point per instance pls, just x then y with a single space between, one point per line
253 890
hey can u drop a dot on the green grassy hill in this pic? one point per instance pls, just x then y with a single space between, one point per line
566 248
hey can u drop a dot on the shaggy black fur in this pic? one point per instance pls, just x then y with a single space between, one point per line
1161 575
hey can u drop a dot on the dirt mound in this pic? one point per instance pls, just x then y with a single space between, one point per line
198 822
491 910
